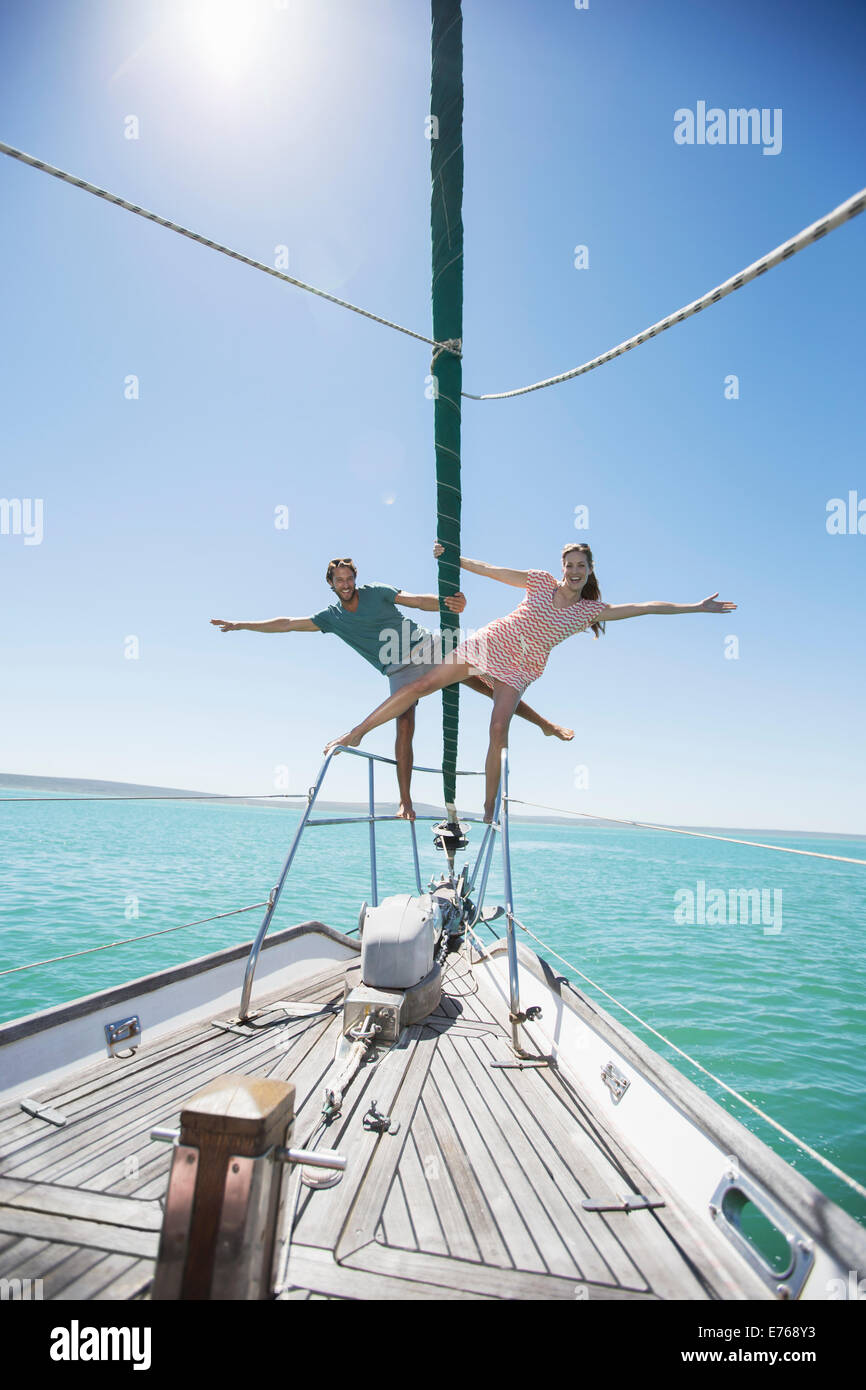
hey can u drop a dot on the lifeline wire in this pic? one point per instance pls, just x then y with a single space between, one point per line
215 796
129 940
841 214
699 834
214 245
813 1153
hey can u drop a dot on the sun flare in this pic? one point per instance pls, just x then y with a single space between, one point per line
226 36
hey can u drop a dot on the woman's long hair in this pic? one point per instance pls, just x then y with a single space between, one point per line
590 588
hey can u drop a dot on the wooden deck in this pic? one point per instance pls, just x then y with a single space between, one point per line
478 1194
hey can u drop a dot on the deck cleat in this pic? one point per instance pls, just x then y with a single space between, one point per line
382 1124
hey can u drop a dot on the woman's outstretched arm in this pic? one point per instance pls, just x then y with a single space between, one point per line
641 610
517 578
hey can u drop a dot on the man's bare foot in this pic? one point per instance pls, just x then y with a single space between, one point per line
406 811
350 740
556 731
488 812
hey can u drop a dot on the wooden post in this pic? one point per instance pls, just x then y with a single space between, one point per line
223 1196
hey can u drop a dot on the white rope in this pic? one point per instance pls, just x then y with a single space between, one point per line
216 246
834 219
813 1153
699 834
843 213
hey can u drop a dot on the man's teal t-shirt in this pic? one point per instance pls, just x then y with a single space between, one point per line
377 630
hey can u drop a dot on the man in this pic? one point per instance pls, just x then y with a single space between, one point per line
367 619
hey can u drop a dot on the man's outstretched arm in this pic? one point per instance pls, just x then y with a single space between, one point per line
274 625
430 603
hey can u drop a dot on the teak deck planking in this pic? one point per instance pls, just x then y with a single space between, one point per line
476 1192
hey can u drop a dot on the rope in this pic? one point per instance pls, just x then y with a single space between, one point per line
89 951
842 213
451 976
699 834
453 345
214 245
813 1153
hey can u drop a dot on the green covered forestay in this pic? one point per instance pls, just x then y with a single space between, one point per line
446 223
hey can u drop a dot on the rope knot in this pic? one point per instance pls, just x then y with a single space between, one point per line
453 345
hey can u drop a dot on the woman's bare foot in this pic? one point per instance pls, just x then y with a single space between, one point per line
350 740
556 731
406 811
488 812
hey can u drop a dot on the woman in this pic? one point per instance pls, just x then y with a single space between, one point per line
512 651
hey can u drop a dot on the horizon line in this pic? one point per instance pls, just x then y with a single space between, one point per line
16 778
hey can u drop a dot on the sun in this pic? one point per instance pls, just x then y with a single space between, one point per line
225 35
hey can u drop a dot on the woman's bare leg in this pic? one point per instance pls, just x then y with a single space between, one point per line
505 700
445 674
403 758
525 711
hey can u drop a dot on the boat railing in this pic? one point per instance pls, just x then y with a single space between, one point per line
307 821
467 882
498 825
483 860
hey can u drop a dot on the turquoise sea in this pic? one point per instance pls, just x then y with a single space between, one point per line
766 991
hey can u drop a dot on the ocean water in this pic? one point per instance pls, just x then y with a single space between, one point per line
765 991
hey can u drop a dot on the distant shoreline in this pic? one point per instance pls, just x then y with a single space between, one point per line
82 787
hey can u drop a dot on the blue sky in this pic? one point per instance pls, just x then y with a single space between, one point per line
263 126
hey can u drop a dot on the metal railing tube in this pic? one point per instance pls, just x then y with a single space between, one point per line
252 960
416 767
415 856
488 831
513 983
490 841
374 889
361 820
